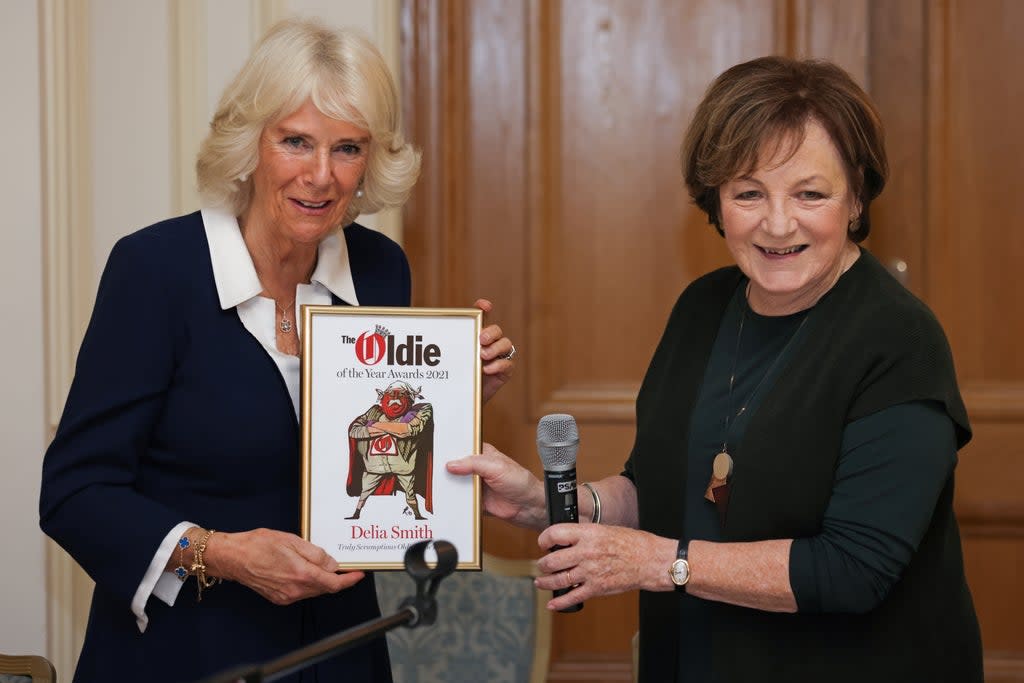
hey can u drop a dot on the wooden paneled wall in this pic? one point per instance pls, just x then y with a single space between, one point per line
551 184
938 71
975 158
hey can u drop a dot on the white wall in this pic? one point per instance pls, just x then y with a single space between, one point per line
22 427
131 120
133 154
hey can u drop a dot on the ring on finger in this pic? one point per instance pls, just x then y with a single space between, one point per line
510 355
568 578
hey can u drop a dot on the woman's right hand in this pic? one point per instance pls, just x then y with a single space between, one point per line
280 566
511 492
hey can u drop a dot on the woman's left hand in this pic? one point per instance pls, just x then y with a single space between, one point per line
602 560
495 351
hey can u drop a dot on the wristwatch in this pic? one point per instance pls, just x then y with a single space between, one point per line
679 572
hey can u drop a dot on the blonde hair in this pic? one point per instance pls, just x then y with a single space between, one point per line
346 78
761 107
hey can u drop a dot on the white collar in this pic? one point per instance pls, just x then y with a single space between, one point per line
235 274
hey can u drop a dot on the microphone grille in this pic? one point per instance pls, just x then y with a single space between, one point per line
557 440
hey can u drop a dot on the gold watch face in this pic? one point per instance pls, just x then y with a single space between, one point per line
680 572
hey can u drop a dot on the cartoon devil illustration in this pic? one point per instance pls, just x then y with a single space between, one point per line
393 443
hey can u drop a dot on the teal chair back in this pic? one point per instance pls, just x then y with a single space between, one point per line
492 626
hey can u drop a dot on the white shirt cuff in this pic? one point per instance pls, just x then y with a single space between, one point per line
163 584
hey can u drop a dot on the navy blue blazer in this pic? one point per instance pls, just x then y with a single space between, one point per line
177 413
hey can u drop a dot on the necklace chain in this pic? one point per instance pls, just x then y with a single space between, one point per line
732 375
286 324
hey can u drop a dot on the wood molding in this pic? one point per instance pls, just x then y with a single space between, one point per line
587 667
615 403
994 401
67 191
544 375
896 73
388 33
798 28
991 518
786 40
1004 667
263 14
68 280
833 29
938 289
188 95
435 109
389 41
64 637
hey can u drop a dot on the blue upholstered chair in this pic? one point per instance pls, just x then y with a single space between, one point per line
26 669
492 626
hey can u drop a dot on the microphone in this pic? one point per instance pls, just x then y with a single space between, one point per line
557 442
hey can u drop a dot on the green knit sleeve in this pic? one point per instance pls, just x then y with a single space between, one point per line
893 466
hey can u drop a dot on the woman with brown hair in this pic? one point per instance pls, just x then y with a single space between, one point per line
787 508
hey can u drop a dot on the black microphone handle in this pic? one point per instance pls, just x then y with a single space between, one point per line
561 493
560 488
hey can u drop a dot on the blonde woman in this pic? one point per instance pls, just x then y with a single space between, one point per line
182 418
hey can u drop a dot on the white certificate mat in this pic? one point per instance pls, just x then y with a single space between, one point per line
389 395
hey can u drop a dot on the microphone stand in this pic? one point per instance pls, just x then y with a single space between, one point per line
418 610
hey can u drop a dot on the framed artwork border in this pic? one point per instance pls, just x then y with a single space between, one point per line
407 384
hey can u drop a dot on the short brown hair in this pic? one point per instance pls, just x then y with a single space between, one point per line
768 101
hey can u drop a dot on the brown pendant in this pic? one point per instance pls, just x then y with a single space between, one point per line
721 469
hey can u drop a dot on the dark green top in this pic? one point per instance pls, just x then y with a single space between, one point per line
868 346
868 535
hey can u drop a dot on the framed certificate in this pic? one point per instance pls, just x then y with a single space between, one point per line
389 395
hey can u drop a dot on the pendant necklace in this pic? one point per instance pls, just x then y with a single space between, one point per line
286 324
722 465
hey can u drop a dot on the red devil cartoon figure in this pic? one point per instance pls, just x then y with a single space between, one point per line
393 443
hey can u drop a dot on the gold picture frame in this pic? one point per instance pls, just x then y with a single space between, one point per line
389 395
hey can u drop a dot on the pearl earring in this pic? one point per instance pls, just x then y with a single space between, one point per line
359 193
242 178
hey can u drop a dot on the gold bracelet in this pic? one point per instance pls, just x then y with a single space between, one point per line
199 567
596 517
